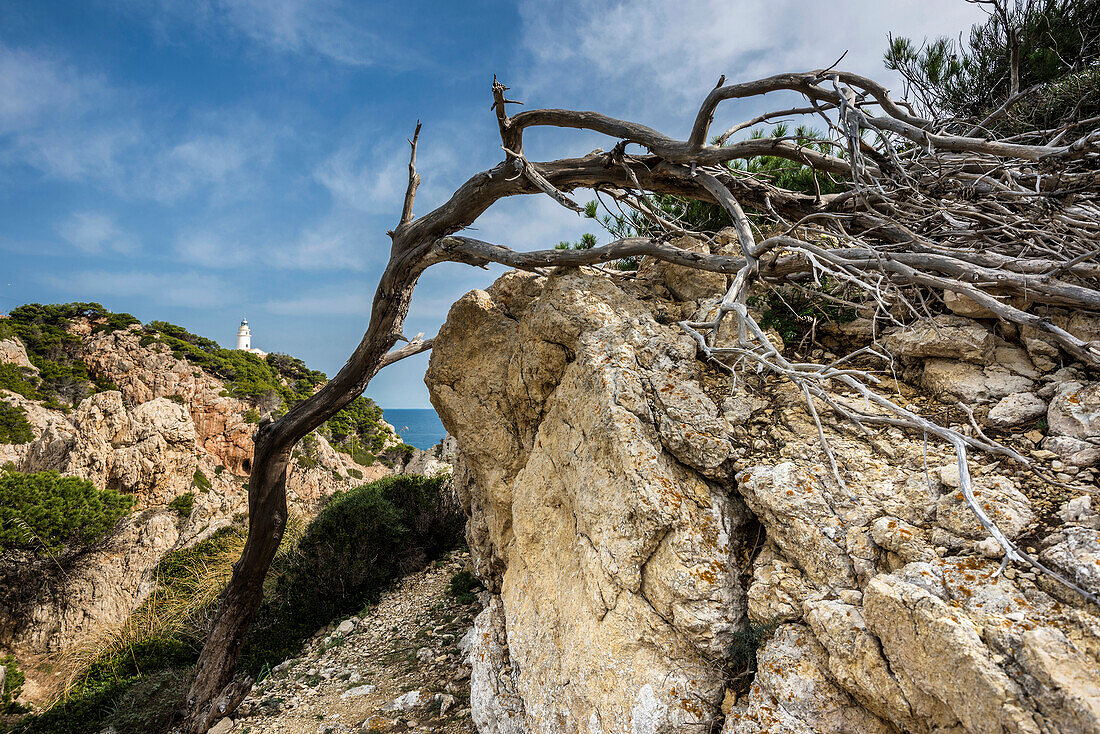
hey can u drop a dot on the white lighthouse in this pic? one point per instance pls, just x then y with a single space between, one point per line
244 339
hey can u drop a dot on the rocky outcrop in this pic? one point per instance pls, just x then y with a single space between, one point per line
12 351
638 516
596 466
169 430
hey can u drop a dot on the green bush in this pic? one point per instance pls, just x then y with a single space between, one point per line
741 662
13 685
199 479
62 376
14 427
359 543
183 504
464 586
79 714
151 703
47 511
12 377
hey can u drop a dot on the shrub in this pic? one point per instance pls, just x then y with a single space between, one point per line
183 504
13 378
199 479
14 427
150 704
87 712
13 685
62 376
463 587
47 511
359 543
742 652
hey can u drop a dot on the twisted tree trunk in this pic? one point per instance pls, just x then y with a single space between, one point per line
928 209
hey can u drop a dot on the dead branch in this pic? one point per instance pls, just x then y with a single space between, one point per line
925 211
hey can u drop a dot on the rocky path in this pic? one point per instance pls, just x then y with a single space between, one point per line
397 668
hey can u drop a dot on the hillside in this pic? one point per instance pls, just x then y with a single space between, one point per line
151 426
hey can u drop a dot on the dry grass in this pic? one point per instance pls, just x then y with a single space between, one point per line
180 607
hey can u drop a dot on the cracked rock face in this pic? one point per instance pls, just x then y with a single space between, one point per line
597 469
614 485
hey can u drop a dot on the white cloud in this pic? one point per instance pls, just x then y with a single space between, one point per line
368 181
73 125
212 249
335 243
641 55
197 290
95 232
36 86
340 31
534 222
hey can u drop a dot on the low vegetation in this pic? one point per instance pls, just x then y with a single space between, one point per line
183 504
48 513
14 427
13 685
361 541
63 377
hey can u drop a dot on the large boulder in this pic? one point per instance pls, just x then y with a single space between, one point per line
12 351
590 453
613 481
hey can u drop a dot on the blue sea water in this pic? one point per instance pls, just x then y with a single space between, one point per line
418 427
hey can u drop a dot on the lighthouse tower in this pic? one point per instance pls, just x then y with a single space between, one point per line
244 336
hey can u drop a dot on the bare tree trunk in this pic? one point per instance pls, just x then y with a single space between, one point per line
213 694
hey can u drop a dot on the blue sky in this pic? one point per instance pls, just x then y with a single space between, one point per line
198 161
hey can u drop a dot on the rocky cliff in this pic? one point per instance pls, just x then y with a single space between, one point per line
645 522
171 437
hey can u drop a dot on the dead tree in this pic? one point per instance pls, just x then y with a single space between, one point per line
929 207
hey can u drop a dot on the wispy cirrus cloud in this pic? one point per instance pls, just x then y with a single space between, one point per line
95 233
74 125
190 289
643 55
339 31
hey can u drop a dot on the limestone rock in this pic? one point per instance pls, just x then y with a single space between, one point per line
949 337
928 641
1017 409
496 707
12 351
684 283
972 383
573 409
594 454
796 694
1077 557
1075 410
998 497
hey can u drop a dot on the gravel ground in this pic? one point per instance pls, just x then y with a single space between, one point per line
397 668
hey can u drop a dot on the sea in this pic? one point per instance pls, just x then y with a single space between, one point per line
419 427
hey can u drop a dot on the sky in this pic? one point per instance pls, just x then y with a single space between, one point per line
201 161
